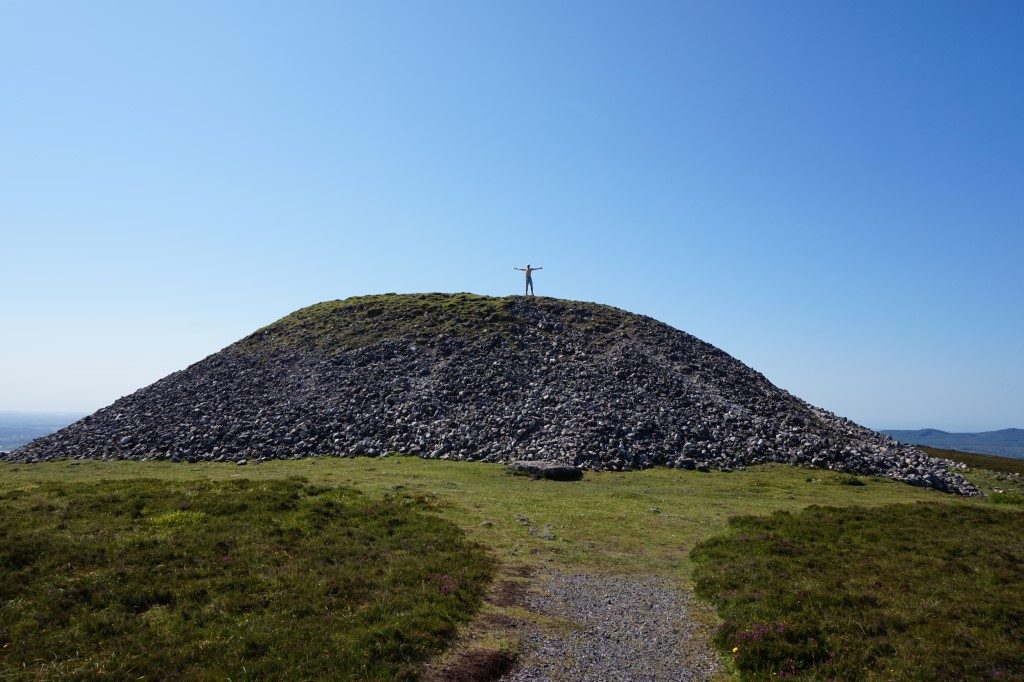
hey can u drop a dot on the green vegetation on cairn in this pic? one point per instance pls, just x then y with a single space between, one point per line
157 579
925 591
363 320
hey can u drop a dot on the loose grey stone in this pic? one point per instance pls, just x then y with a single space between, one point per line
585 386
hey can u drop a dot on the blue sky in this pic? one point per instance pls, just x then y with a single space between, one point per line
832 192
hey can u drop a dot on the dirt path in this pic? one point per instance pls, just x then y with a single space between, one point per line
615 628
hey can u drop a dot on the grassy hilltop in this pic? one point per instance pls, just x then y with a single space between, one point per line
119 553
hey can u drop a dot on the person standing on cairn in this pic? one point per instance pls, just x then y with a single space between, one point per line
529 278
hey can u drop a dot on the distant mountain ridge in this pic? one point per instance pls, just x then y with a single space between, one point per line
1006 442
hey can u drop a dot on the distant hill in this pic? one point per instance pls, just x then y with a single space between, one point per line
19 428
1006 442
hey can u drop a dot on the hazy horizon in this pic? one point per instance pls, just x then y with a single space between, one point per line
829 192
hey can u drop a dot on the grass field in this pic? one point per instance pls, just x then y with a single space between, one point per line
642 521
928 591
272 579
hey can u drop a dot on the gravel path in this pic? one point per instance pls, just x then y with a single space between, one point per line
628 628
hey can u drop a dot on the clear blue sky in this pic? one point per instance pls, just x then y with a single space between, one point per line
832 192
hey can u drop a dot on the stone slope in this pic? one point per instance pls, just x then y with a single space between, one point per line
471 377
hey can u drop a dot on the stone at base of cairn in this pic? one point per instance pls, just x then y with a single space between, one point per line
550 470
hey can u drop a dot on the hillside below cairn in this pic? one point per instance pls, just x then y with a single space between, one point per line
466 377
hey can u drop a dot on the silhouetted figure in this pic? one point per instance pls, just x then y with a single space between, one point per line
529 277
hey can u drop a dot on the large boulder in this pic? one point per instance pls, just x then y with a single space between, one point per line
556 471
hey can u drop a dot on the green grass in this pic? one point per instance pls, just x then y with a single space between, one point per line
272 579
637 522
1008 465
926 591
605 522
335 326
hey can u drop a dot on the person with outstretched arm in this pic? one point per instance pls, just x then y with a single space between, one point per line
529 277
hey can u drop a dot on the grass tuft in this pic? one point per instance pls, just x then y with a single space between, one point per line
179 517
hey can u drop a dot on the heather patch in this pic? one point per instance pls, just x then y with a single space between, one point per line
278 579
925 591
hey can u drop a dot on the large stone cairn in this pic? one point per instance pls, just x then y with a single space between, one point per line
464 377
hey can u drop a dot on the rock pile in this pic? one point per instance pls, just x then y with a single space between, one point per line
471 377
